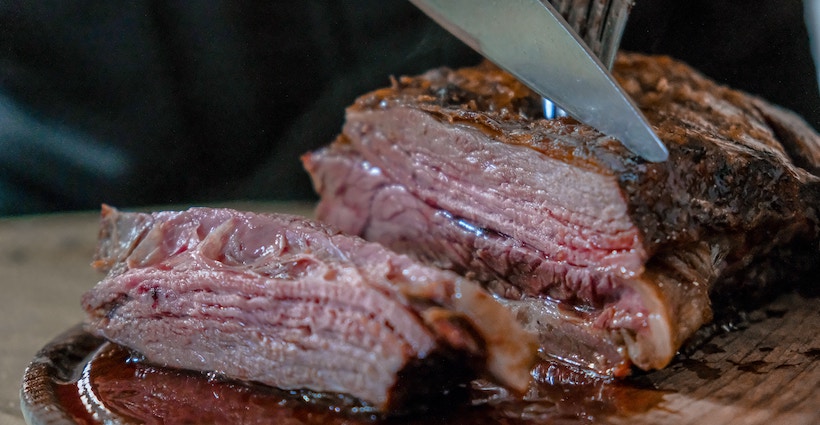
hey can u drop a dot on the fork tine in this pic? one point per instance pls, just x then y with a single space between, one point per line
600 23
613 30
596 20
562 6
578 16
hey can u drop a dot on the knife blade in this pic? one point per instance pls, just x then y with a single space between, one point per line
531 41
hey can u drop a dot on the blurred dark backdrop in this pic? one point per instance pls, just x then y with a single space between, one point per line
150 102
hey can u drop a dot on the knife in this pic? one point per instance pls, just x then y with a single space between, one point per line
530 40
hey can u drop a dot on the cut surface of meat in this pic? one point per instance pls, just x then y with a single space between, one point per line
294 304
612 260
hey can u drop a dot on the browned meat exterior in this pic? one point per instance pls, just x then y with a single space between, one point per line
294 304
611 259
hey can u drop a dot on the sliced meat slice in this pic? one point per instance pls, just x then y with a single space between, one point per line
294 304
583 317
611 258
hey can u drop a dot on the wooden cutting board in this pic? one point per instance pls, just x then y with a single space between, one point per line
766 372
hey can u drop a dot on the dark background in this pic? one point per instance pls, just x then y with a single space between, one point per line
152 102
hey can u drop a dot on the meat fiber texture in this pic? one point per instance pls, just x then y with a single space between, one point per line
294 304
612 260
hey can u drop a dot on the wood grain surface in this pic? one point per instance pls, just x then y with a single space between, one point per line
765 372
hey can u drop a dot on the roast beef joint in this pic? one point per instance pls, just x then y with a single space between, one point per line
611 260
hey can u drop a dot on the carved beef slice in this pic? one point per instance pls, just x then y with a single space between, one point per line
294 304
612 260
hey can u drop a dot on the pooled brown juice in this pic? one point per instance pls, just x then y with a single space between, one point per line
113 385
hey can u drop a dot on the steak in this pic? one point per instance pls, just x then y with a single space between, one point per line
294 304
613 261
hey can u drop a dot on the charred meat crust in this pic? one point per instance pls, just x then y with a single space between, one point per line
739 189
730 144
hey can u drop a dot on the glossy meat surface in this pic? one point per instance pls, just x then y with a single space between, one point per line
294 304
616 254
